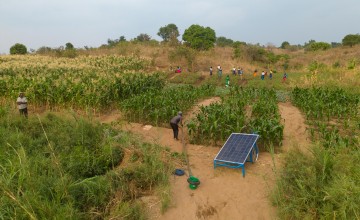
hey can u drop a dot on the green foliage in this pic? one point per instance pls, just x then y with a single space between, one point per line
351 40
224 42
44 50
314 67
41 163
255 53
183 52
217 121
112 43
238 44
199 37
169 32
336 65
18 49
285 45
143 37
98 83
352 64
69 46
158 107
320 186
322 105
187 78
315 46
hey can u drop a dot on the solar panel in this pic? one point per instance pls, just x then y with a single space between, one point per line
237 148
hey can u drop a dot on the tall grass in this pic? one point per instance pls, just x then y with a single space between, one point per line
56 168
325 184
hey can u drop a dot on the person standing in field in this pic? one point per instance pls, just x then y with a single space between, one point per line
255 73
211 71
219 71
234 71
240 72
174 125
22 104
270 74
284 77
227 81
262 75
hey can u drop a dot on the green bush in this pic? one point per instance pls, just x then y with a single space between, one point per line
18 49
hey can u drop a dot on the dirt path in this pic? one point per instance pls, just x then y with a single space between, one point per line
223 193
295 134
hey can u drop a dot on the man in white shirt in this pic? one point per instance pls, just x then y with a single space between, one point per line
22 104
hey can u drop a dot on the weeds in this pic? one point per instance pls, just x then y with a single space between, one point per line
54 168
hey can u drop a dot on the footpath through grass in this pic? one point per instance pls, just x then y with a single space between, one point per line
326 183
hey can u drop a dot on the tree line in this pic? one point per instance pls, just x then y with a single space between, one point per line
196 37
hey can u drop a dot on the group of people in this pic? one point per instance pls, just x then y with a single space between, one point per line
239 71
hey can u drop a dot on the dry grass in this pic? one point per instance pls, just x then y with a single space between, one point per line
298 62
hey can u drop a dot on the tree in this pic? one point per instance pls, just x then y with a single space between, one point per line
285 45
351 40
122 39
199 38
143 37
224 42
69 46
169 32
18 49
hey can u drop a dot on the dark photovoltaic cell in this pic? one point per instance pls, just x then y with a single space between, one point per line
237 148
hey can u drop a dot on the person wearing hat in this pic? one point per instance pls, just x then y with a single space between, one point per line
22 104
174 124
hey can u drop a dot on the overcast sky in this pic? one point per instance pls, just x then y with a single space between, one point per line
53 23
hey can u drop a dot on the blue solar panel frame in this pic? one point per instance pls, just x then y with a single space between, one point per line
237 150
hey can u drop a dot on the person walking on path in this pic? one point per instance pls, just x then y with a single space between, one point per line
22 104
211 70
174 125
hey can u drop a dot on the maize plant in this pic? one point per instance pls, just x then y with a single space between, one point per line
84 82
340 109
158 106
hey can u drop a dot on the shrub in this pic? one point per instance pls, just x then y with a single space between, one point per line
18 49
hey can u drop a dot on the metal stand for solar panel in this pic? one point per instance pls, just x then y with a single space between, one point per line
238 149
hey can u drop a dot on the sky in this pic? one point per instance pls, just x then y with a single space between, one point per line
53 23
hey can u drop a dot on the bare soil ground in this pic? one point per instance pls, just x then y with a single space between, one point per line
223 192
